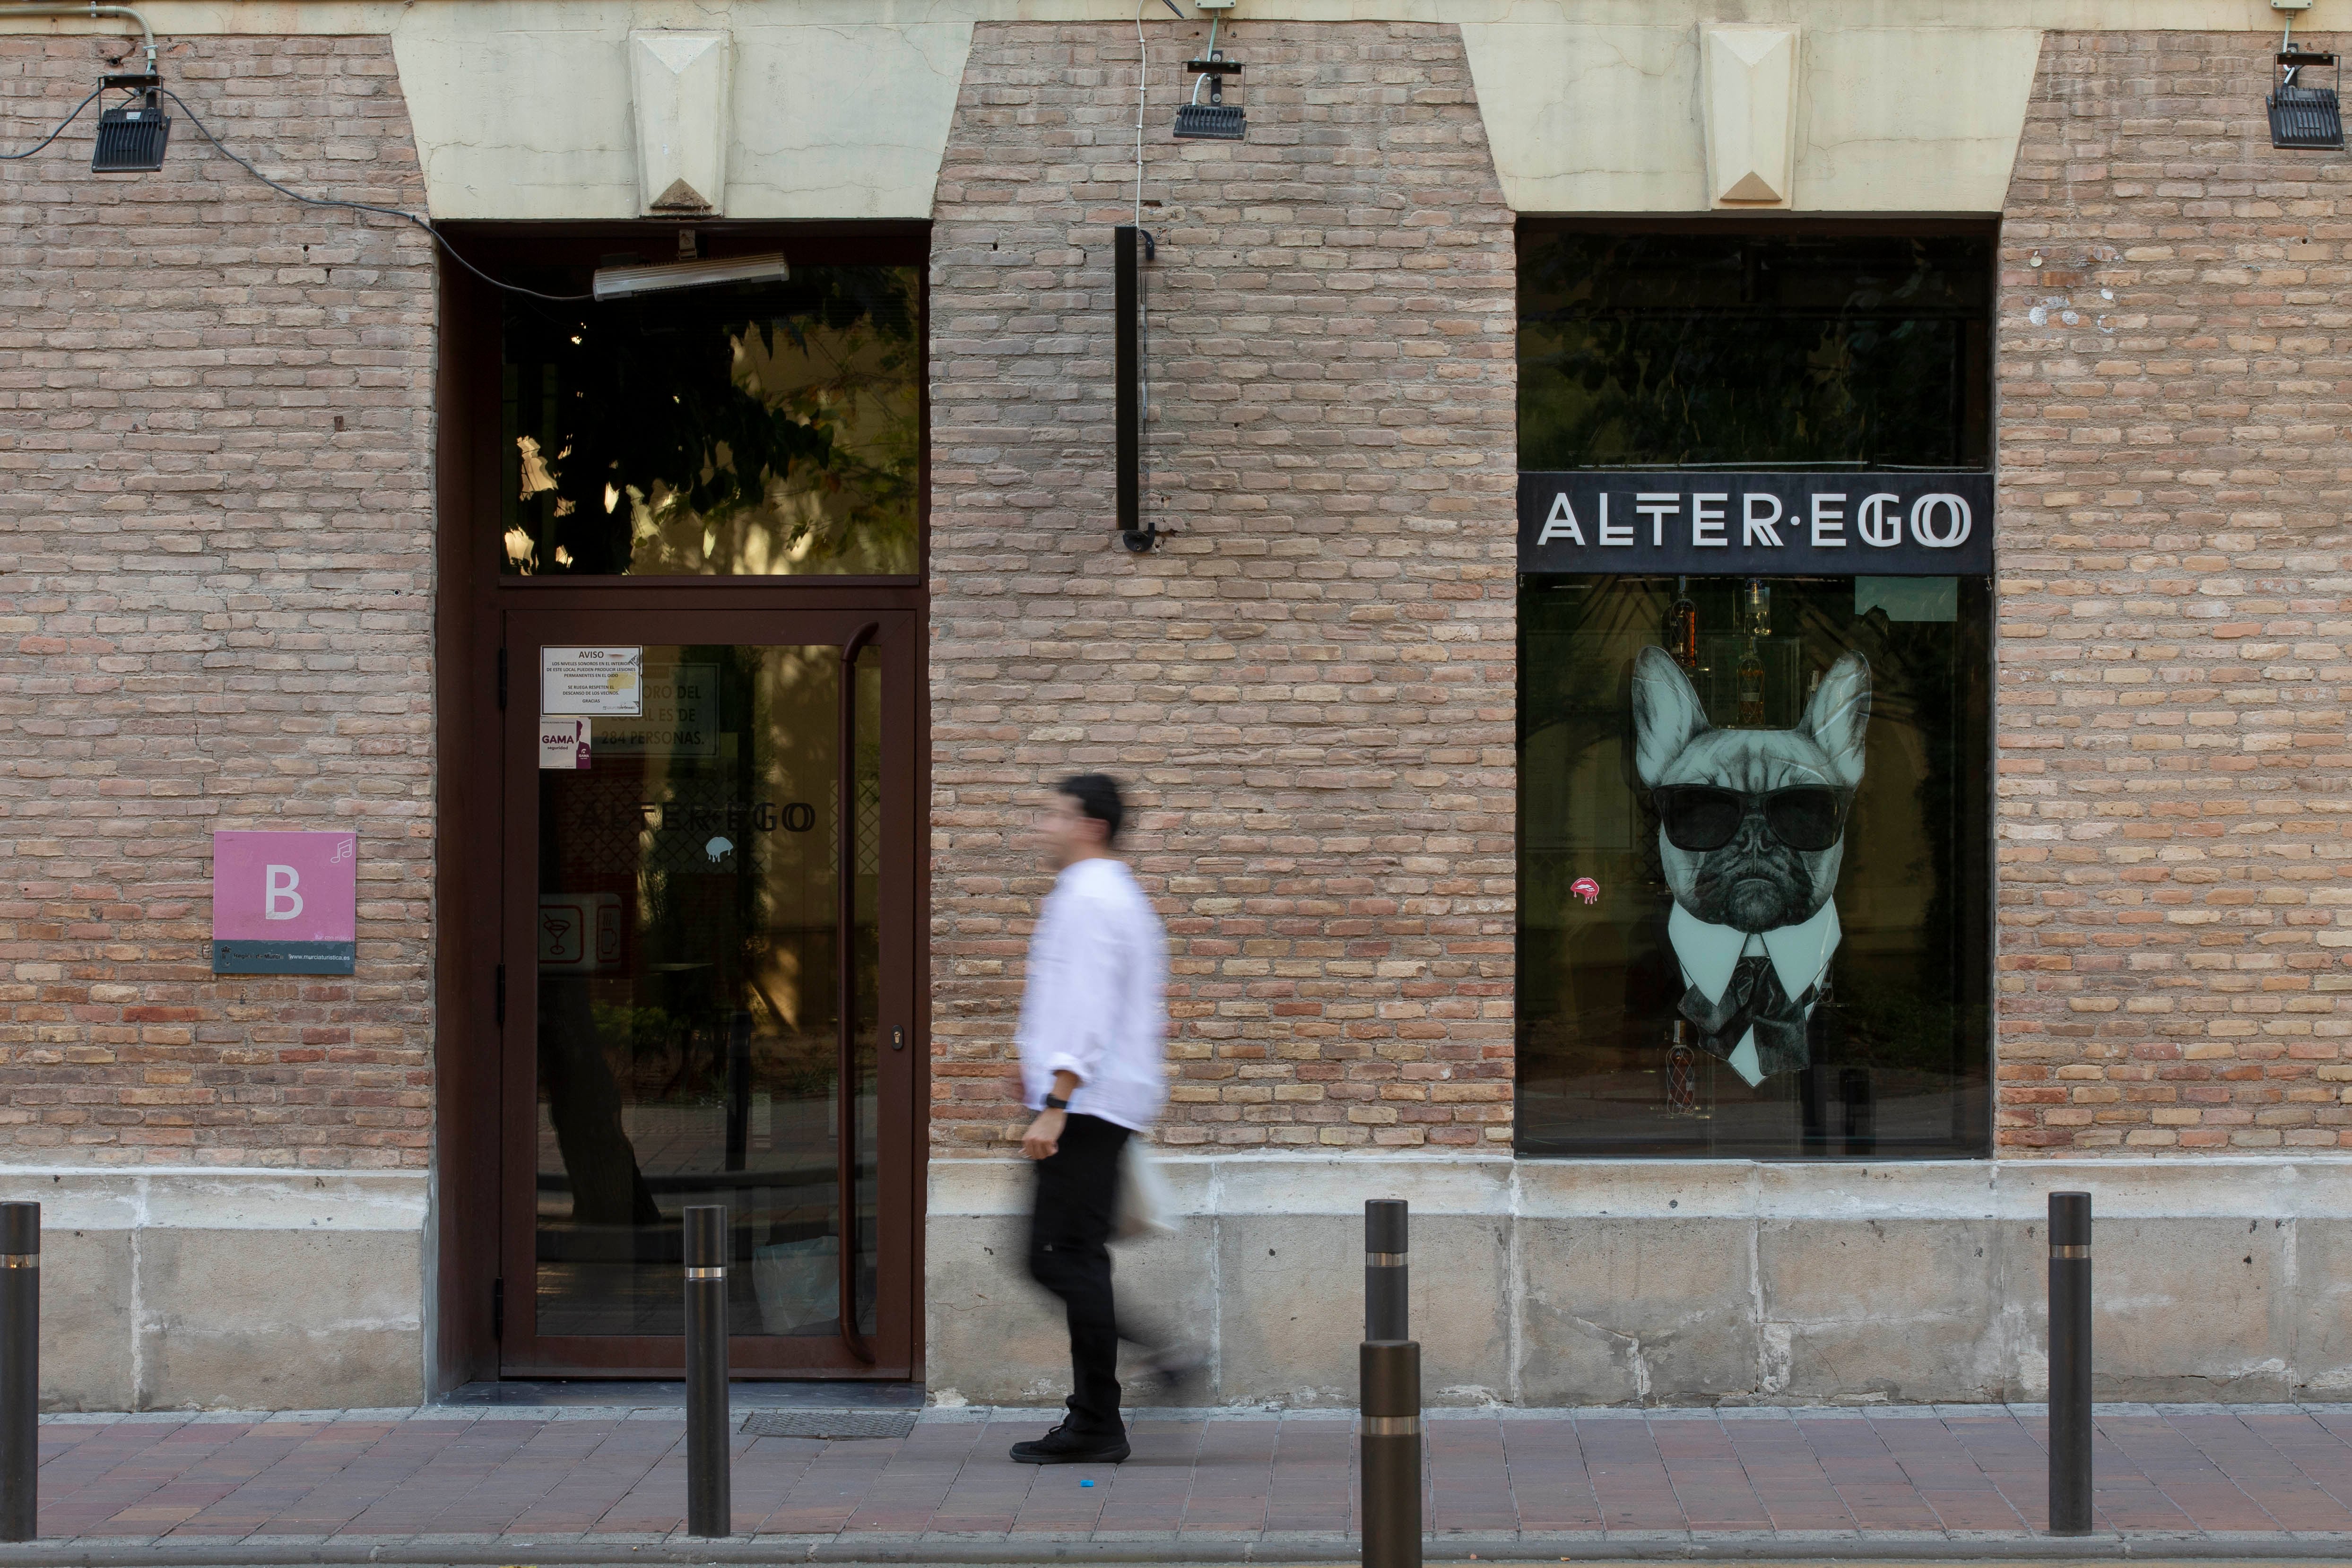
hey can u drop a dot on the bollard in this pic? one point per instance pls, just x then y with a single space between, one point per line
709 1503
1388 1311
20 1370
2070 1363
1389 1453
1389 1384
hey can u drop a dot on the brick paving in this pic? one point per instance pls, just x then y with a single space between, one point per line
1963 1476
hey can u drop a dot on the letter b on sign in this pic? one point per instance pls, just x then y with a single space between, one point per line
280 901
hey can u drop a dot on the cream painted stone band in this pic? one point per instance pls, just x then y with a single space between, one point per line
522 108
163 1287
1691 1282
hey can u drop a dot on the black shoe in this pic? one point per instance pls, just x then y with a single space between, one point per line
1064 1447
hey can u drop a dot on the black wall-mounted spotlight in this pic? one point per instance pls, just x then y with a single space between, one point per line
131 136
2301 116
1131 247
1215 120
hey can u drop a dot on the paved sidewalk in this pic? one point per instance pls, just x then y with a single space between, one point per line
604 1484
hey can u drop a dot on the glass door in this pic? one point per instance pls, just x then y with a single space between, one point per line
710 828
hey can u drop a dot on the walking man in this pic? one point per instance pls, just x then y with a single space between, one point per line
1092 1018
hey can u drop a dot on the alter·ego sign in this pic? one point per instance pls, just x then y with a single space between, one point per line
285 903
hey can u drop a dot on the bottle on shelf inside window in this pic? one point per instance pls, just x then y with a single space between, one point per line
1680 634
1751 687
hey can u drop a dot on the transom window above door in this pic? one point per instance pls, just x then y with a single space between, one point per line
771 429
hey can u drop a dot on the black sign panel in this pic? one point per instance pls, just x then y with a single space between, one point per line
1758 525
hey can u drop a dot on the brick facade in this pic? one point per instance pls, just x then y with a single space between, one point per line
2176 918
215 607
1311 685
216 590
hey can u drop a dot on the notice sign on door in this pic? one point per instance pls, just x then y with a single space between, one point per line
285 903
592 683
680 717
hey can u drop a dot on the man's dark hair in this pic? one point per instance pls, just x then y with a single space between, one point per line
1097 798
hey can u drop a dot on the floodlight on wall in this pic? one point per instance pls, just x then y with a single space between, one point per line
131 136
621 282
2304 116
1215 120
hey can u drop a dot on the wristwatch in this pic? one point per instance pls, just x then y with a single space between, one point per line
1056 1103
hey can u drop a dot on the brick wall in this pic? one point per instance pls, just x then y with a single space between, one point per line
216 602
1311 685
2176 916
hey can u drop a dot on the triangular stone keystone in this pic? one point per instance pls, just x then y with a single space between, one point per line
1748 97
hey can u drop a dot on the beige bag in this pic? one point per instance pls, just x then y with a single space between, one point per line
1147 1204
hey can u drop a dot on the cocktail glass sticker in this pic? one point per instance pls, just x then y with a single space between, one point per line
285 903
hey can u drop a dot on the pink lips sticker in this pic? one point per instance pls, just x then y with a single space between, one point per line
1585 888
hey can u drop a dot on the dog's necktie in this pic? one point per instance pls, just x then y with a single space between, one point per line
1754 999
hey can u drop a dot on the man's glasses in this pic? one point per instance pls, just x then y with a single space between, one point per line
1701 817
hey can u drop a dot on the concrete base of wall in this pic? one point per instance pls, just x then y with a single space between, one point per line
168 1289
1716 1283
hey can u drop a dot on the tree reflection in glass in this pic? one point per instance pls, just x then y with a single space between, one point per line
763 430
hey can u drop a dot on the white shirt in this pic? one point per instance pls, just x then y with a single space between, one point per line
1095 1003
1709 954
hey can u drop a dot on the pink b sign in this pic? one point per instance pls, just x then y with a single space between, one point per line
285 903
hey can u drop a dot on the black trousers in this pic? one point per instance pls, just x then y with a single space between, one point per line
1070 1229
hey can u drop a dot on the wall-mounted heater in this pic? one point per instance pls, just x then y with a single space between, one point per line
1131 247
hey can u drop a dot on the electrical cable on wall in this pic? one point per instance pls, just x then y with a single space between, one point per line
238 159
60 131
426 223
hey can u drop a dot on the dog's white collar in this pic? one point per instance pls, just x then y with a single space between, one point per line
1710 953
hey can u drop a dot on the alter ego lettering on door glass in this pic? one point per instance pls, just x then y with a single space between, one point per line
1704 523
285 903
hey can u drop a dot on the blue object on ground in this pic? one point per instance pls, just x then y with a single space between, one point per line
1086 1483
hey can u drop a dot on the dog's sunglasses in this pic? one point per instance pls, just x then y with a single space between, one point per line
1702 816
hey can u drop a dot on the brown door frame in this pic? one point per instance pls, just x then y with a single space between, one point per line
480 1292
524 1352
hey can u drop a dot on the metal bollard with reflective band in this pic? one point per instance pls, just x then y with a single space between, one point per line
2070 1363
1387 1313
709 1502
20 1370
1389 1453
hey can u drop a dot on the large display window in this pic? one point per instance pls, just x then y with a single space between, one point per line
1755 608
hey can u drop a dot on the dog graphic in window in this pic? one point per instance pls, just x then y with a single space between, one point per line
1751 829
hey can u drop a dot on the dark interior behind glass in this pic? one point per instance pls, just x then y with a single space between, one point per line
1754 349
